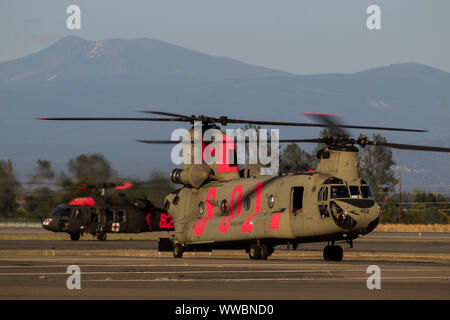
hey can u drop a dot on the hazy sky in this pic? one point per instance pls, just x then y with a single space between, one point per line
302 37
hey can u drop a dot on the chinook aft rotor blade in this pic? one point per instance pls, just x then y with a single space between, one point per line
408 146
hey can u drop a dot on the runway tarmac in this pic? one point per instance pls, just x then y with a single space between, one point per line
37 277
411 267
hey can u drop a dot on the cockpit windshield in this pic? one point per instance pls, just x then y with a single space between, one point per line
60 212
366 192
339 192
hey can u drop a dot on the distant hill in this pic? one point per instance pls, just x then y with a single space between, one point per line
76 77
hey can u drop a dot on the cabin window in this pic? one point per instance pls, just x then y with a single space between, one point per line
109 215
224 206
297 198
247 203
121 216
270 201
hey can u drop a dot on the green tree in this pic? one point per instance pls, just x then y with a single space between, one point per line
8 185
159 185
91 169
43 172
376 167
293 159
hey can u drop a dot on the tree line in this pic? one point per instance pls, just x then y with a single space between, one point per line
45 189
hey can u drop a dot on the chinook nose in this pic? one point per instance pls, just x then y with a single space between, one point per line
355 216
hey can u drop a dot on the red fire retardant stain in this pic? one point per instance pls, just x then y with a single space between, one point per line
200 225
225 223
275 221
124 186
247 226
224 149
148 219
82 202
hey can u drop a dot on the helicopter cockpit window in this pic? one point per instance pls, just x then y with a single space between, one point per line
333 180
366 192
109 215
339 192
61 212
354 192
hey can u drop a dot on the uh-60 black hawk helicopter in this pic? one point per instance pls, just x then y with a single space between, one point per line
242 209
103 213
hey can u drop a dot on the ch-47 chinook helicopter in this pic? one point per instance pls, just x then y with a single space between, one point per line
102 213
242 209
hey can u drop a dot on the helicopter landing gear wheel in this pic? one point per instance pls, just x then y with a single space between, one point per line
333 253
254 252
74 236
101 236
178 250
265 252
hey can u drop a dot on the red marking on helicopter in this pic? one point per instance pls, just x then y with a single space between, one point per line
148 219
115 227
275 221
224 149
225 223
124 186
82 202
248 225
200 225
166 221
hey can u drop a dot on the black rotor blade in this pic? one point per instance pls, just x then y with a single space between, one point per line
111 119
158 141
225 121
336 128
409 146
303 124
302 140
170 114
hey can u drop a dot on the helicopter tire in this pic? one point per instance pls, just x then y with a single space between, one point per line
264 252
254 252
74 236
337 253
333 253
178 250
327 256
101 236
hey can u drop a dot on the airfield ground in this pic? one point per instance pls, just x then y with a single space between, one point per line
413 266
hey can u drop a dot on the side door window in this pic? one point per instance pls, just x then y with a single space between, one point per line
297 199
322 199
121 216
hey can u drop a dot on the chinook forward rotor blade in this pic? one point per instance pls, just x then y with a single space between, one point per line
109 119
223 120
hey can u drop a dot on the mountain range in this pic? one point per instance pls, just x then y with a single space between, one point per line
77 77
